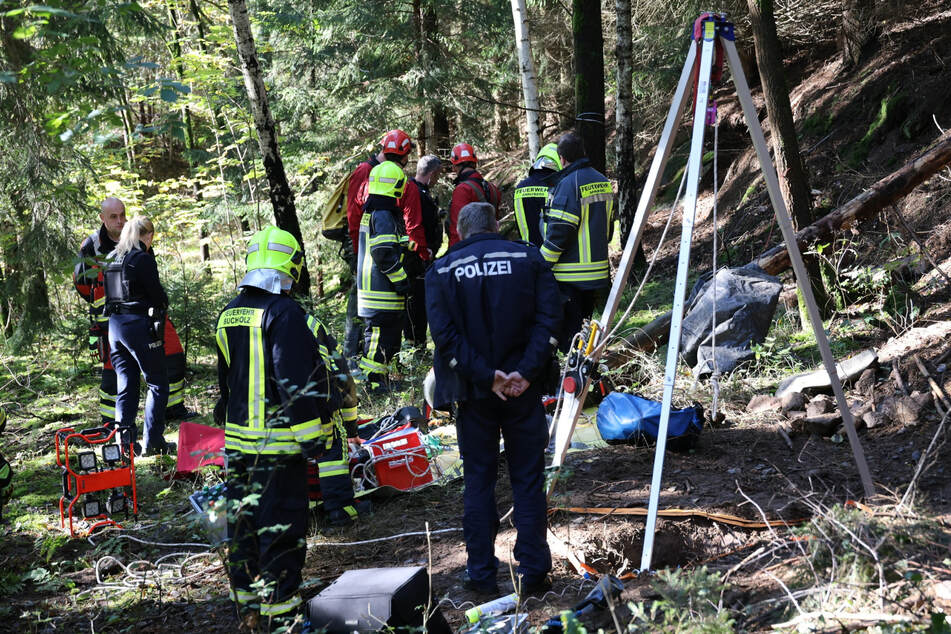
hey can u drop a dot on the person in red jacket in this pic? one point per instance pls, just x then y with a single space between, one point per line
395 146
470 186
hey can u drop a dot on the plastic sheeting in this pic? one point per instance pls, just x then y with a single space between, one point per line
745 303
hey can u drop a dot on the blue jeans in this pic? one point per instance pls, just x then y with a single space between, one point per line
521 423
134 351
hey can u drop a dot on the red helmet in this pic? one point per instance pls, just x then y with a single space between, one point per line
462 153
397 142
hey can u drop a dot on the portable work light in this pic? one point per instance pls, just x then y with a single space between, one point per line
117 502
87 460
111 454
91 507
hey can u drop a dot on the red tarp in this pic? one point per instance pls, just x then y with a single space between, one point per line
199 445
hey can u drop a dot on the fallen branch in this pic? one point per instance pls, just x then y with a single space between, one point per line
874 617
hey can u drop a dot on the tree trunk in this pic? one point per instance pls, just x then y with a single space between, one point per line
624 122
282 198
858 30
776 260
589 78
437 128
793 181
526 68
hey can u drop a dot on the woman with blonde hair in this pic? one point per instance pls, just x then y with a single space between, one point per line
136 304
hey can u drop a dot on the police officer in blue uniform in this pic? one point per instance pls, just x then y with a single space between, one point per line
274 404
136 304
494 311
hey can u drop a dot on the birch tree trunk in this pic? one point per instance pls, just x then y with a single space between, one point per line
282 198
526 68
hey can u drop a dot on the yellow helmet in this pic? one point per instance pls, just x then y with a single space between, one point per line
387 179
273 248
548 158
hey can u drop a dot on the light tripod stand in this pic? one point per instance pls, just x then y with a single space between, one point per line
713 28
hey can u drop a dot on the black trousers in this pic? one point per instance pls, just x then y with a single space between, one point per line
382 337
521 424
415 325
578 305
265 492
353 335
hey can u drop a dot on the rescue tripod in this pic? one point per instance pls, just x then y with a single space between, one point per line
581 366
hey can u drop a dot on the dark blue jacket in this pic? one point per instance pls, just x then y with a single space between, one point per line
141 279
492 305
531 194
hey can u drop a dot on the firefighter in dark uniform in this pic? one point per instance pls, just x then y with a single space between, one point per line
396 147
274 402
136 304
579 223
333 465
494 312
382 283
87 278
532 192
427 173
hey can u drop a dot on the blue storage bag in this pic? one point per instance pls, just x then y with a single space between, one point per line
631 418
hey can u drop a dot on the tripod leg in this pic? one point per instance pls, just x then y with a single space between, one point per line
694 164
651 184
564 425
795 257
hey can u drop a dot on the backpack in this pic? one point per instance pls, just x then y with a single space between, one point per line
334 213
485 192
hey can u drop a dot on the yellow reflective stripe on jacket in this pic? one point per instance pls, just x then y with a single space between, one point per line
397 275
222 337
564 216
243 432
269 447
581 271
256 384
308 430
531 191
549 254
347 413
381 238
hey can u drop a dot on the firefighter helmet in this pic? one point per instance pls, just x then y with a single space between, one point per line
387 179
397 142
273 248
548 158
462 153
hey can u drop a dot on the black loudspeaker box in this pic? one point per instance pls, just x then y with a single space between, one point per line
376 599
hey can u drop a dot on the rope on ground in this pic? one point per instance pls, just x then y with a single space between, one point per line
142 573
314 542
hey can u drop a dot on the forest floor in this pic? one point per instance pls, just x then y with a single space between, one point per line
838 565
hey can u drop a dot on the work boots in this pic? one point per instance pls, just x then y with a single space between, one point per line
350 513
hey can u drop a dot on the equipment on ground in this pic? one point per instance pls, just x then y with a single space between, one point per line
492 608
211 505
377 599
397 459
632 418
605 594
712 34
84 477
